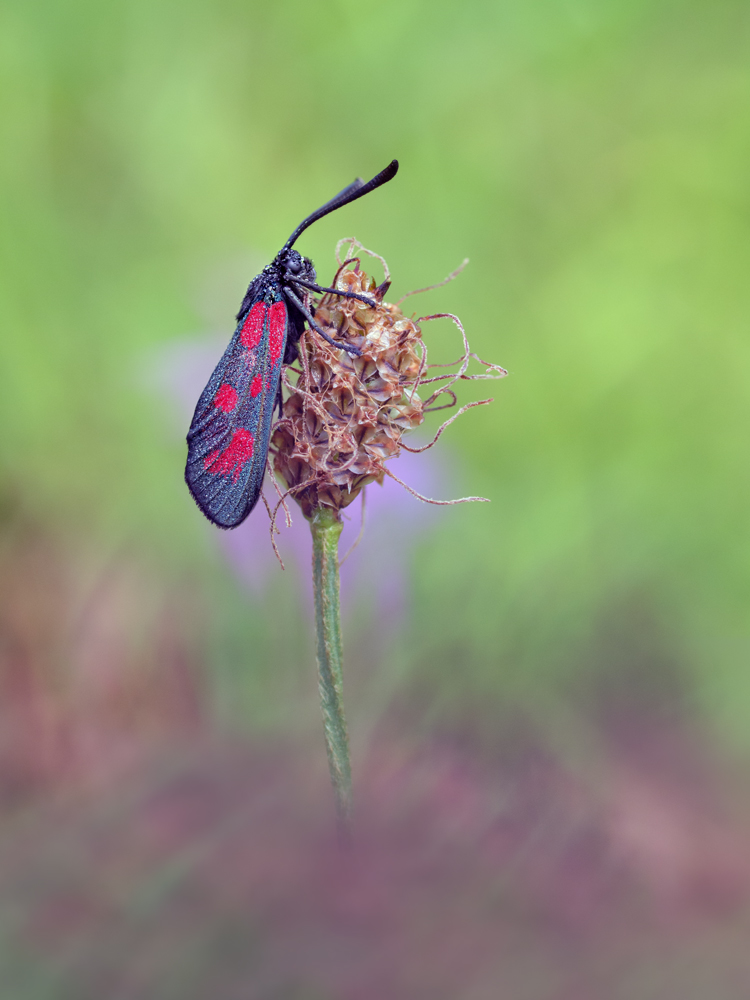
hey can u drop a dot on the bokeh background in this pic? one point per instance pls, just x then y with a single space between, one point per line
548 695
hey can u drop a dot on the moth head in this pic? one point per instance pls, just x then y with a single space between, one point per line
297 266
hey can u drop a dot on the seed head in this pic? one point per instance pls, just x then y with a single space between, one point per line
344 417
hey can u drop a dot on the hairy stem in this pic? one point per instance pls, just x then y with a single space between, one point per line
326 528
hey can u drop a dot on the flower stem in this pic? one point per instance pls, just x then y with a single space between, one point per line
326 528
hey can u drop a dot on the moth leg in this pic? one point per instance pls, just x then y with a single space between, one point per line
335 291
306 313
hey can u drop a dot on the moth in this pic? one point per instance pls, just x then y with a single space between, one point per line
231 428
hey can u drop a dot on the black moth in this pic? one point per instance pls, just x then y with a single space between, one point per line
230 431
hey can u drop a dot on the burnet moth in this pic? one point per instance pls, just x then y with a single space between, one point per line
231 428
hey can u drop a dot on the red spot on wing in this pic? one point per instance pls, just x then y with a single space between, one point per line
235 455
252 328
277 329
256 385
226 398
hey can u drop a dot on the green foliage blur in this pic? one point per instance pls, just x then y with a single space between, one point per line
589 158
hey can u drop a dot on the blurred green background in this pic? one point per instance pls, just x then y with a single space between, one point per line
589 157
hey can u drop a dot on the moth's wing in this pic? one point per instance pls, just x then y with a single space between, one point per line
229 435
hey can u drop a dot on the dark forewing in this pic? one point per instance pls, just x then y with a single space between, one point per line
228 438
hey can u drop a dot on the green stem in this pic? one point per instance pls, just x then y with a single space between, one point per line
326 528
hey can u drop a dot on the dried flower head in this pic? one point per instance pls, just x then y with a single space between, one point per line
344 417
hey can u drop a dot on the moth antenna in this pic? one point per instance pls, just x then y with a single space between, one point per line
357 189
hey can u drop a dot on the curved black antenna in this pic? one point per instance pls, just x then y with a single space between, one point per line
350 193
354 186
